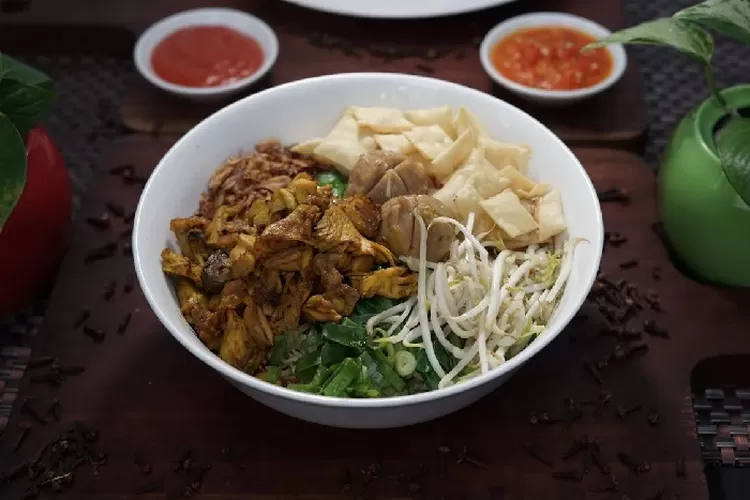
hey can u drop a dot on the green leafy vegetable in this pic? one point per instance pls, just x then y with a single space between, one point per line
333 352
306 366
687 37
271 374
369 307
342 378
12 167
316 383
733 146
347 333
333 179
731 17
389 374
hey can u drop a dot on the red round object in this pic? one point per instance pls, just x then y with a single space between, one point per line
36 233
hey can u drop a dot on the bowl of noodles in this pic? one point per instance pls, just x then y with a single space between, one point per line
367 250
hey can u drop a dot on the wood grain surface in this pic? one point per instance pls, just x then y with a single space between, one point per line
149 397
314 43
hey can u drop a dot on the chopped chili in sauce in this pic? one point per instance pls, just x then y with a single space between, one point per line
206 56
550 58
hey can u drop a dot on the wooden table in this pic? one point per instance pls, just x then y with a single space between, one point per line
152 401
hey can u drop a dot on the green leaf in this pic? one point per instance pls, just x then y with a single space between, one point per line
26 94
733 145
731 17
685 36
347 333
12 168
24 104
16 70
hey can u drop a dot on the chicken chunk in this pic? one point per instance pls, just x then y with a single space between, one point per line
336 232
292 259
392 282
401 231
191 237
175 264
297 227
238 348
363 213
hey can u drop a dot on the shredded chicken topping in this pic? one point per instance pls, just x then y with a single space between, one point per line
252 267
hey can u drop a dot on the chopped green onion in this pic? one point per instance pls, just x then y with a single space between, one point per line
405 363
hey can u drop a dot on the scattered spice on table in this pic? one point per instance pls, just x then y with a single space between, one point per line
83 315
28 408
463 457
100 222
101 253
193 472
568 475
54 466
629 264
56 374
24 428
123 325
635 466
623 412
109 289
616 195
115 208
654 329
680 467
140 461
533 450
577 446
653 418
39 362
127 287
96 334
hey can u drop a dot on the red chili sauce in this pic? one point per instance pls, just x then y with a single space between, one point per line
550 58
206 56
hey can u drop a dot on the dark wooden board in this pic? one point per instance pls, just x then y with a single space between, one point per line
314 43
149 395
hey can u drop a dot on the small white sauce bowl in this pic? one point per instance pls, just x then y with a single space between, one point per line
242 22
557 19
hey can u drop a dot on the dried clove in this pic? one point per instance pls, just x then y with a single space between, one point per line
653 300
623 412
637 468
616 195
120 169
104 252
534 452
615 239
129 283
680 467
115 209
142 463
40 362
24 428
655 330
543 418
653 418
96 334
658 495
593 372
598 460
629 264
568 475
656 273
100 222
578 445
82 317
123 326
30 410
109 289
464 457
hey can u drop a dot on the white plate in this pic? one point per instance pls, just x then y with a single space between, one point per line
398 9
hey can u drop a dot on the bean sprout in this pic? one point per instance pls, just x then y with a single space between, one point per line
481 307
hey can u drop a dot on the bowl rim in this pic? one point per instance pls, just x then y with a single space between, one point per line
539 19
236 376
142 50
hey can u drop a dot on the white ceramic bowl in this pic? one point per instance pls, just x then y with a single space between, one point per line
309 108
244 23
539 19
